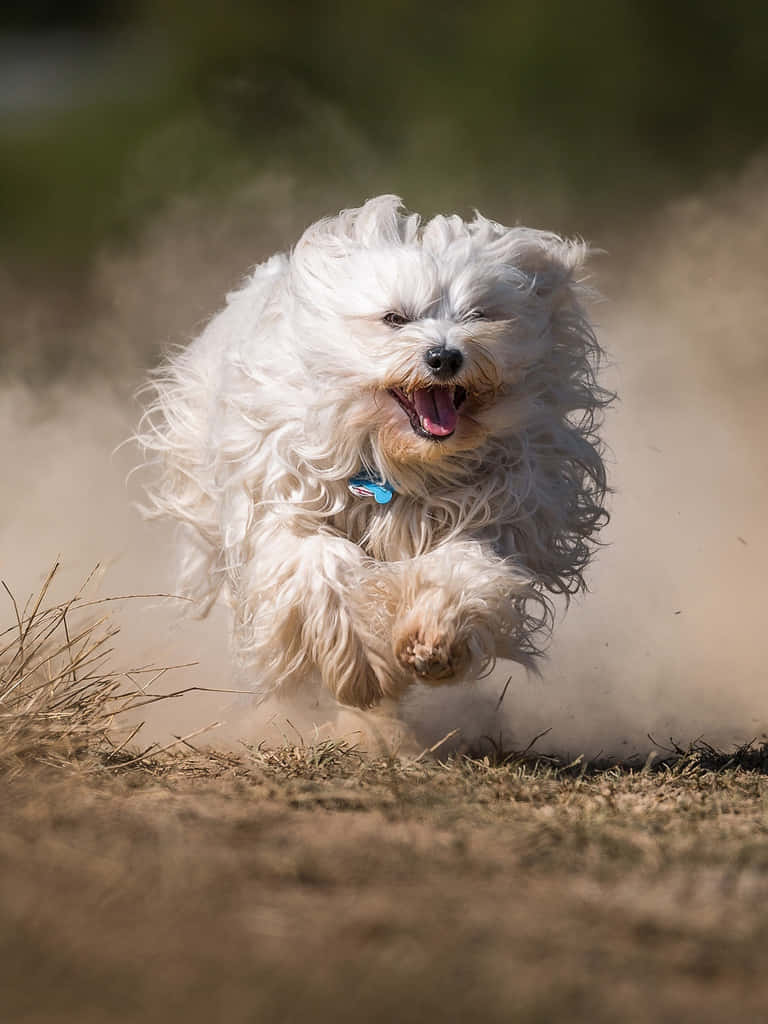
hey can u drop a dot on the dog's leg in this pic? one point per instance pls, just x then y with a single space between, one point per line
379 731
460 607
296 611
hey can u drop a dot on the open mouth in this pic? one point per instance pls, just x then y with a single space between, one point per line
433 411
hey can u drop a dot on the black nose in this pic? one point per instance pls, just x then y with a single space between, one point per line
442 361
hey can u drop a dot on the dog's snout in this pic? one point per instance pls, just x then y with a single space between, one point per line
442 361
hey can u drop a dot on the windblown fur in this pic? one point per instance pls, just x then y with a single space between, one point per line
316 369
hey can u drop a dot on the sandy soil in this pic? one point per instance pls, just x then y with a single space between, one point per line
307 884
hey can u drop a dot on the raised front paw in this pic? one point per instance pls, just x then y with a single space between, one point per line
431 652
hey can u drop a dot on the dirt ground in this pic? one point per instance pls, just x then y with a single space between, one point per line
314 883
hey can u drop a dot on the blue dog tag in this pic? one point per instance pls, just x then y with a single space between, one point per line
364 486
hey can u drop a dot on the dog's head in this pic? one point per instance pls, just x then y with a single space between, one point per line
453 356
426 341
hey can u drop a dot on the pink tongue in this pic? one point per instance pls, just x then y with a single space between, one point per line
436 410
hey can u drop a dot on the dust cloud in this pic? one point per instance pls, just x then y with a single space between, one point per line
670 642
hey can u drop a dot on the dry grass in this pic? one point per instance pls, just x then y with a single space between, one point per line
310 881
57 698
61 703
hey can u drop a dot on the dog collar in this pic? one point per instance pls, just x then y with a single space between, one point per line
363 485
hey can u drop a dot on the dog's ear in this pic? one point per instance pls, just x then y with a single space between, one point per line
562 475
539 262
550 266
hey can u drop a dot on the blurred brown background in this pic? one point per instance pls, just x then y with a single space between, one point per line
592 115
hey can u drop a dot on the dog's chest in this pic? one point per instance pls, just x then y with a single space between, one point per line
408 526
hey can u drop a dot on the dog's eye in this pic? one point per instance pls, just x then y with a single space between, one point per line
396 320
475 314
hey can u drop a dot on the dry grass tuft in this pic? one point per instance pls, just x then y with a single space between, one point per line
59 699
321 759
670 758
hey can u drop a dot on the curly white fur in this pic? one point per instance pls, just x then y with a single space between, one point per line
291 389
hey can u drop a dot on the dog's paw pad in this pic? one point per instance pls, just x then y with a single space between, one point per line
430 660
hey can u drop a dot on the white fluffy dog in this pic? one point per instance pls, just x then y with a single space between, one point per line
383 451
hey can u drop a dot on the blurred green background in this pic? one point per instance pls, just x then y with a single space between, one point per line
577 112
